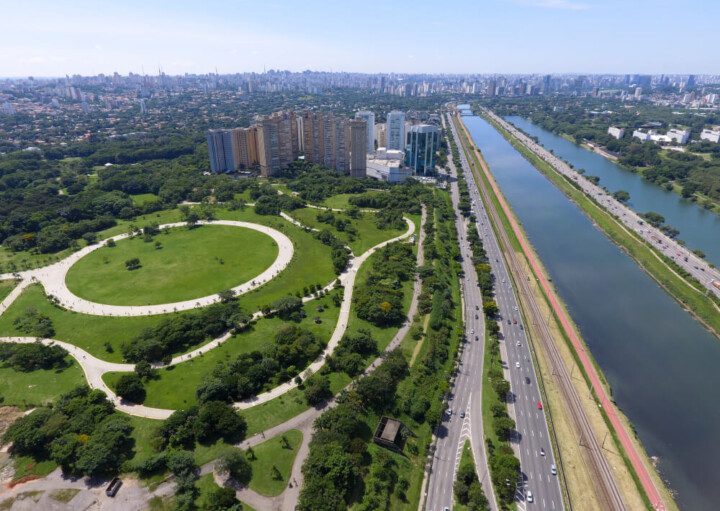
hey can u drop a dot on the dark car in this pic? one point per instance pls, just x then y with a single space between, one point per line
113 487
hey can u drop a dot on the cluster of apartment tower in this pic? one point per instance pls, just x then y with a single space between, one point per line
277 140
346 145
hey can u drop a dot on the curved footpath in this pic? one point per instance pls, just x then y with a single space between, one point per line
609 408
52 277
94 368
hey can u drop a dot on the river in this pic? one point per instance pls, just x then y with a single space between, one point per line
662 365
698 227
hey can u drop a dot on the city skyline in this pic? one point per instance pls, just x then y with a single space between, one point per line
499 36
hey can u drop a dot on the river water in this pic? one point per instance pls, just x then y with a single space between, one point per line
698 227
662 365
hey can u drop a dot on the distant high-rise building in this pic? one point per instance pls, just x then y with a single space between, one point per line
143 107
638 92
422 142
216 150
277 140
381 134
357 136
395 127
244 147
369 119
491 88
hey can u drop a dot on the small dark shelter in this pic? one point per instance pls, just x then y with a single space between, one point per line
389 433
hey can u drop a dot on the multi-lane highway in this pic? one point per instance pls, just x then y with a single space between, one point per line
533 438
464 418
532 442
708 276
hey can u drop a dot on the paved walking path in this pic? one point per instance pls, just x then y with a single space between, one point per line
52 277
94 368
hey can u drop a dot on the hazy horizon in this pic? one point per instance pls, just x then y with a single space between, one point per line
54 39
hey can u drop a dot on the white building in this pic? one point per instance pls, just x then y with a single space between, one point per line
387 165
369 118
711 135
641 135
395 128
673 135
616 132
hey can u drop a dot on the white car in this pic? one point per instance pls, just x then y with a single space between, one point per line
553 469
529 496
517 365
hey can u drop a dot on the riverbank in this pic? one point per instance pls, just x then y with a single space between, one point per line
630 459
661 269
713 204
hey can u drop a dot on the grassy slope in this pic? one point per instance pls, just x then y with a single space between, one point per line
368 234
646 257
175 388
311 262
27 390
269 454
88 332
5 287
191 263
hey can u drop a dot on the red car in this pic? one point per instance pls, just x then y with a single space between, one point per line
539 405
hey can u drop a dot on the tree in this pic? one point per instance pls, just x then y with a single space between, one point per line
275 473
490 308
288 308
217 419
145 371
653 218
132 264
317 390
129 386
504 427
235 465
621 196
222 499
32 322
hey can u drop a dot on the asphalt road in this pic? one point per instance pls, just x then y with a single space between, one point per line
532 432
699 268
464 418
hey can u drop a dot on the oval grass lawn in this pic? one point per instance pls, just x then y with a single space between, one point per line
191 263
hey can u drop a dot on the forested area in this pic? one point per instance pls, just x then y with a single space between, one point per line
588 119
81 432
49 205
344 468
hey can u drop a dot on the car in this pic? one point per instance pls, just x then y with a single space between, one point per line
477 307
518 344
472 332
113 487
527 380
553 469
462 414
529 496
508 321
515 307
476 316
514 321
539 405
517 364
477 337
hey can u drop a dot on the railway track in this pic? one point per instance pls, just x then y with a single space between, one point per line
607 489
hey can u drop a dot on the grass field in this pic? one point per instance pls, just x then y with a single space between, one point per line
25 260
274 453
311 262
368 235
85 331
176 385
143 198
5 287
191 263
27 390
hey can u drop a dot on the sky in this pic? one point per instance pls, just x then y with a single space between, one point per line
54 38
